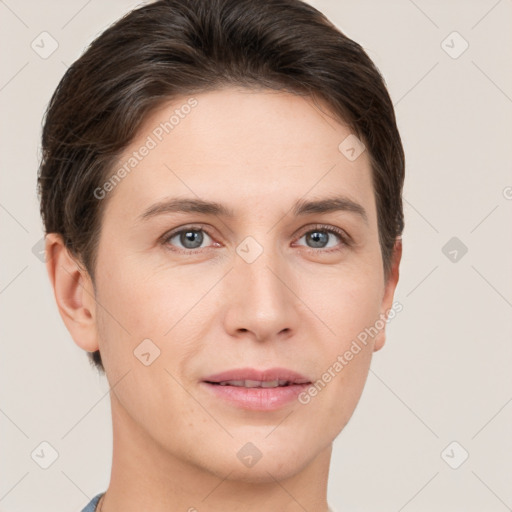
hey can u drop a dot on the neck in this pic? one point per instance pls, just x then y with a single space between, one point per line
145 476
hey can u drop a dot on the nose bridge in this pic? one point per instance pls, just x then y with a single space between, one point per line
259 277
261 301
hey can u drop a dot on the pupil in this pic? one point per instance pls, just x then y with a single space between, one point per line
189 236
318 238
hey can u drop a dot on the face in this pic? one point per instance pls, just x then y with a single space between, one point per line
201 303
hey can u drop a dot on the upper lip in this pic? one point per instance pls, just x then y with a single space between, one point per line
269 374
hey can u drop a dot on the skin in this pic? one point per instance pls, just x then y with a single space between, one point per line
297 305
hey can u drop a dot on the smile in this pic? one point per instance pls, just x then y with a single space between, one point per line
254 383
258 390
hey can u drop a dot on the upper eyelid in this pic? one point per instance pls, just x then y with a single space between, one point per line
345 238
193 227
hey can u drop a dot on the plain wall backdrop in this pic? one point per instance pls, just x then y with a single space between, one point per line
438 392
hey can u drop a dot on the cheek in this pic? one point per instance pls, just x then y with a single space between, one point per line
132 325
347 303
350 309
143 303
143 312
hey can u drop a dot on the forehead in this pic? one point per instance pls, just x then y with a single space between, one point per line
241 146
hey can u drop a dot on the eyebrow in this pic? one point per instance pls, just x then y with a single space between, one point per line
301 207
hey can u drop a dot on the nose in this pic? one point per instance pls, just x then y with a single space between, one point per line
261 303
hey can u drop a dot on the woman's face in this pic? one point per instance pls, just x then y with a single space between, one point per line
269 293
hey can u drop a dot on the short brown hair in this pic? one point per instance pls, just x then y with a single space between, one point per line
172 48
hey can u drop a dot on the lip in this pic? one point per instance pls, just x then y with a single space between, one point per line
262 375
256 398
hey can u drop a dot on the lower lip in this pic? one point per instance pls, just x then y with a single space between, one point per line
257 399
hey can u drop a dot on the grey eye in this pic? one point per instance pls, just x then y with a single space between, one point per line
320 238
189 238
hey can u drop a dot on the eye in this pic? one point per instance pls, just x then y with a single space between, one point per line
324 237
189 238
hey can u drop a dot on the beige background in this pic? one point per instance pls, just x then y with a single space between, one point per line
444 374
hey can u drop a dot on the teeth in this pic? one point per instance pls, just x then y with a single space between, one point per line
255 383
232 383
252 383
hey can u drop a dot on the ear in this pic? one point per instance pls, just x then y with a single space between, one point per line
74 293
389 292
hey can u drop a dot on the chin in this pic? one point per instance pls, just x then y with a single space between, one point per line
265 473
265 464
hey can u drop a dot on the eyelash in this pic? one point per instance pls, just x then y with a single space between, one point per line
345 239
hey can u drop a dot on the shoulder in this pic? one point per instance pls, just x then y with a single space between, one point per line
91 506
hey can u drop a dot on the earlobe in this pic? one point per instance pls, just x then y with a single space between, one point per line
389 291
73 291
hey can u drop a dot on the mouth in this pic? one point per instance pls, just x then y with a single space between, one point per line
262 390
254 383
